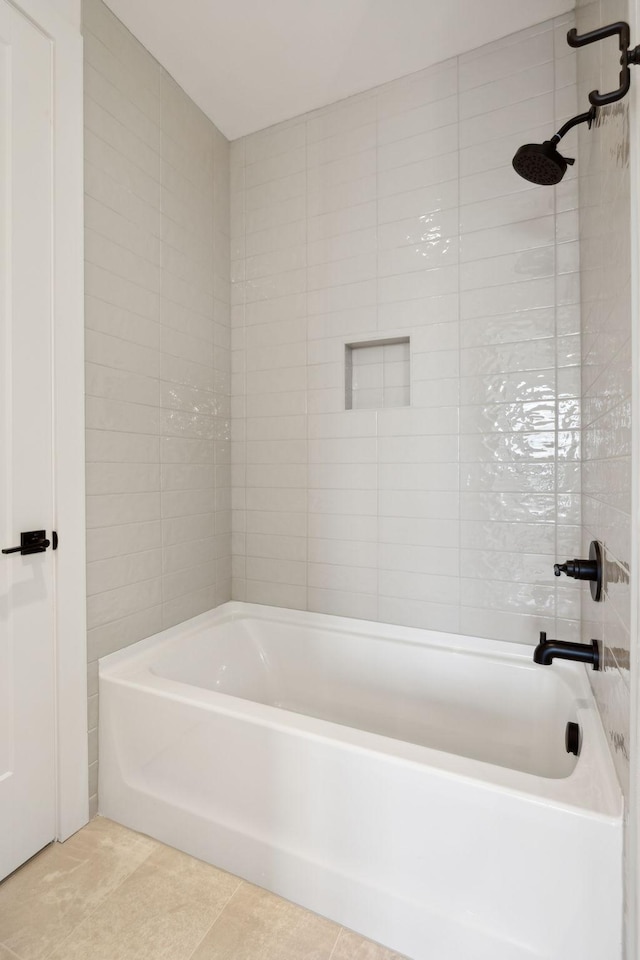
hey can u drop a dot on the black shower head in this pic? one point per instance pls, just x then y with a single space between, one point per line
541 163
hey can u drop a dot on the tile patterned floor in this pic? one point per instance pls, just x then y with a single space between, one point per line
111 894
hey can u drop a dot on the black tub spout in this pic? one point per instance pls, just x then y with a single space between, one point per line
548 650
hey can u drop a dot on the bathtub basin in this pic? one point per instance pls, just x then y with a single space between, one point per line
411 785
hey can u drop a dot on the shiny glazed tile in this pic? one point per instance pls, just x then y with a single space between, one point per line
604 183
348 224
157 289
492 348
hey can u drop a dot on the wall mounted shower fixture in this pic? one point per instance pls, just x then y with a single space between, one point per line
590 569
541 163
549 650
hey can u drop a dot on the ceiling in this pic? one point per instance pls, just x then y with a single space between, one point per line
251 63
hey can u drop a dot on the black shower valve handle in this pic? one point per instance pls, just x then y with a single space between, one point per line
590 569
577 569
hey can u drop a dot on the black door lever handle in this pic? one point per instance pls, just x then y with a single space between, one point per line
31 541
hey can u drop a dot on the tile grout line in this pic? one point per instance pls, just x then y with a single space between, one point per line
376 412
337 941
307 520
12 952
103 900
459 350
241 882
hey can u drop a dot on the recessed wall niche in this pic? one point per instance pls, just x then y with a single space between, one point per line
377 374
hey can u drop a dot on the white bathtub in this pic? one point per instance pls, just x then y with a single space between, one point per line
413 786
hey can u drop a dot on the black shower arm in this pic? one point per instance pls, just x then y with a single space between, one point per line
627 56
587 117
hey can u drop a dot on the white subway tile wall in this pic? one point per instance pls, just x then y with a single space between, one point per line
158 366
393 214
604 183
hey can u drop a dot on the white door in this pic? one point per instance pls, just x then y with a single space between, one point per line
27 706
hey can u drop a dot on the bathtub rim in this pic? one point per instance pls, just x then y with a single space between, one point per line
590 789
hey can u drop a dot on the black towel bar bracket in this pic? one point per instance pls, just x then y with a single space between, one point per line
627 56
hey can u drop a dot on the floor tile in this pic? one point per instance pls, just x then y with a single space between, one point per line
46 899
257 925
350 946
160 912
6 954
111 894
